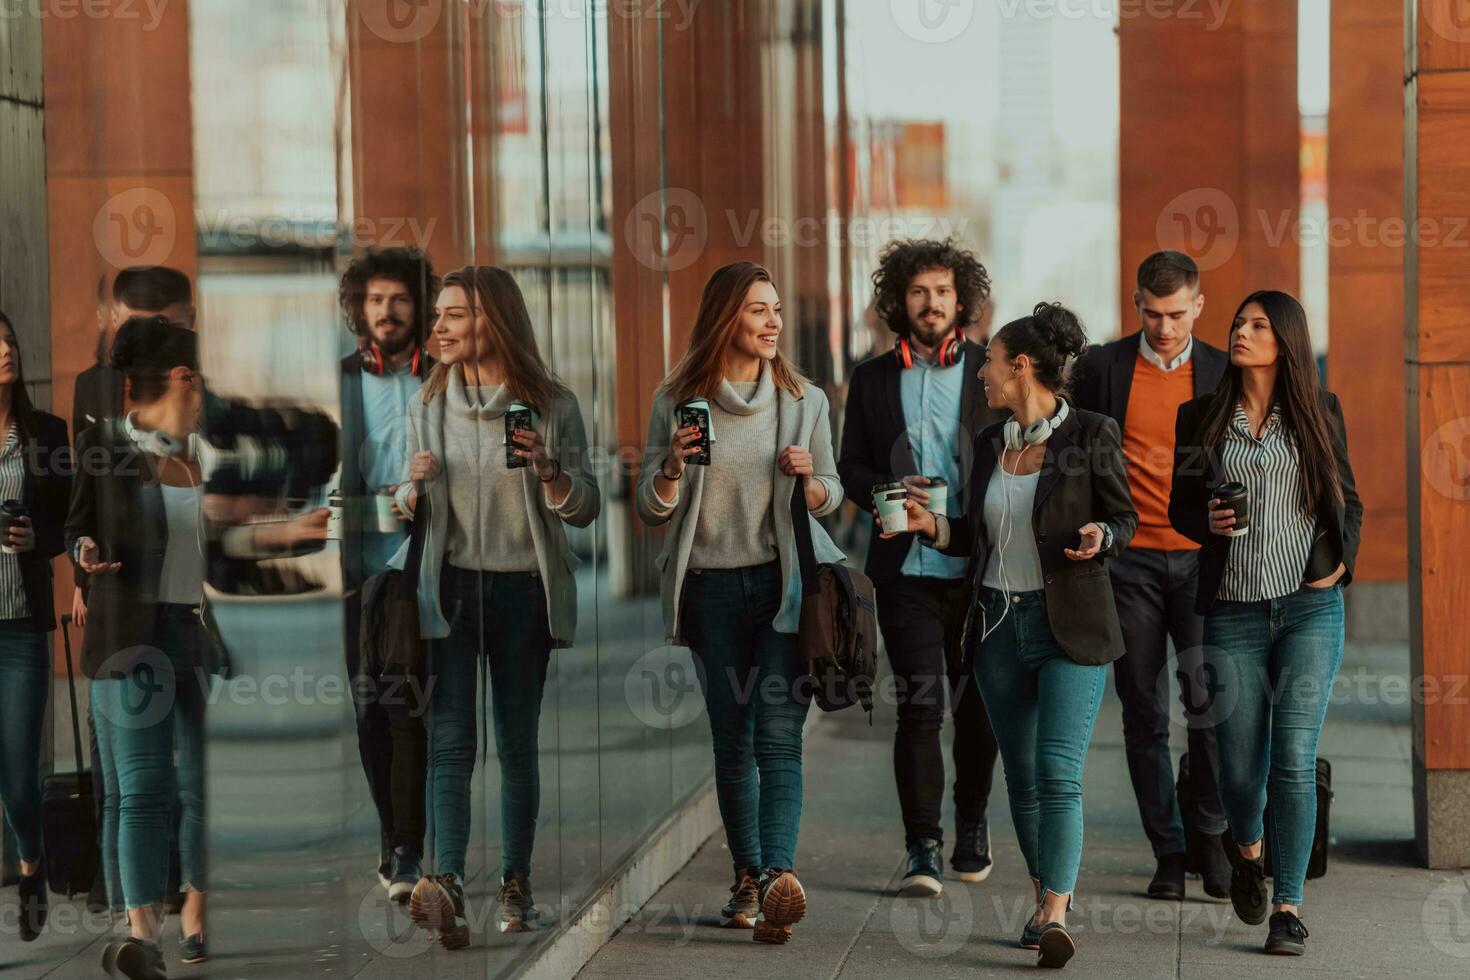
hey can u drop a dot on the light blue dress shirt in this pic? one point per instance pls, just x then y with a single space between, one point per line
384 450
931 398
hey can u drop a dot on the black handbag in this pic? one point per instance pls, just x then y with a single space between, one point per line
389 632
838 635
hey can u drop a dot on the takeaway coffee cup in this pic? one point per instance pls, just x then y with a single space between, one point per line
11 511
889 498
334 516
387 520
1236 497
938 490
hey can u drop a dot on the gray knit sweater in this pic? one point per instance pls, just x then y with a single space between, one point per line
736 527
489 529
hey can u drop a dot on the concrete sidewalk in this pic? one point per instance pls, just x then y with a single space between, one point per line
1375 914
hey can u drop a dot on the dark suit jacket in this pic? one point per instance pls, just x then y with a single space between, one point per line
354 490
1103 377
98 395
46 493
117 502
875 444
1083 479
1197 471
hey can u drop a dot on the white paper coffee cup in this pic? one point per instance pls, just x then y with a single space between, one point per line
938 491
889 499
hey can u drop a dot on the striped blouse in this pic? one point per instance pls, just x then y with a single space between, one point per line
1269 560
12 487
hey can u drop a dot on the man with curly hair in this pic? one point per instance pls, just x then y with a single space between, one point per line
387 296
912 414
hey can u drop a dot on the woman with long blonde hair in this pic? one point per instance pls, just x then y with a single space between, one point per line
731 580
495 576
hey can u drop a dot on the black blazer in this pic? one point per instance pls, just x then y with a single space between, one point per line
117 502
1083 479
1103 377
98 395
46 491
875 444
1197 472
353 486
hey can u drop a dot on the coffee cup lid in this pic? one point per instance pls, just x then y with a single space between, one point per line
937 481
885 487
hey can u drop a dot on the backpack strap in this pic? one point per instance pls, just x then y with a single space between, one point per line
806 553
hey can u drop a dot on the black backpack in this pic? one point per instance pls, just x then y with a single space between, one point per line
838 636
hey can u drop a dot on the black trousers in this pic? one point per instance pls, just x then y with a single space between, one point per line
912 613
392 740
1154 591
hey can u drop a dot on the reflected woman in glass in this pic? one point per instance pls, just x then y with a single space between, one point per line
35 485
498 448
135 528
730 578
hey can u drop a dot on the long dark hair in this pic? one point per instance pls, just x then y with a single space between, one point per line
1298 392
21 408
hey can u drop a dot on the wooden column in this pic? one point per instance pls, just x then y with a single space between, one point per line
1210 151
1365 176
119 165
119 174
1437 201
422 101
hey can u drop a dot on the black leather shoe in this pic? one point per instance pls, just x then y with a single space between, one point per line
1215 867
1168 883
34 905
138 959
1247 884
1056 945
406 874
971 858
1288 936
921 880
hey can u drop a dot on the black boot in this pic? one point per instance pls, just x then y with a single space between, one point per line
971 858
921 880
1168 883
34 904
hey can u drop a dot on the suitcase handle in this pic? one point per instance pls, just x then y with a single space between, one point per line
71 686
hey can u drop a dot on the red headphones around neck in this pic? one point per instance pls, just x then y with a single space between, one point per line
373 362
948 355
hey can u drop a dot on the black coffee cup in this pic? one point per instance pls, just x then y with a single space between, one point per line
1236 497
11 512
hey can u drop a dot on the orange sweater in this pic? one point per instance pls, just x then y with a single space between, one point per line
1148 446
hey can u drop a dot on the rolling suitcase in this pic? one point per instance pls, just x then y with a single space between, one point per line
1317 861
69 825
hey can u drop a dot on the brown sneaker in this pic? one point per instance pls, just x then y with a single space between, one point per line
783 904
437 905
516 907
745 902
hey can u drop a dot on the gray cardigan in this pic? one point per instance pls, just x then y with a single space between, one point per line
566 441
799 422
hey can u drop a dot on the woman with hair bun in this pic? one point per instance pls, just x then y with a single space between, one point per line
1049 503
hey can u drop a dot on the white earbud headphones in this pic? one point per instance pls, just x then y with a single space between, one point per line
1017 439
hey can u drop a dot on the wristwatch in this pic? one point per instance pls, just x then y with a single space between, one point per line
1107 530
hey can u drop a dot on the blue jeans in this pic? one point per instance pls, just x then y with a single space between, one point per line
1042 706
141 719
502 616
1274 664
25 679
754 689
